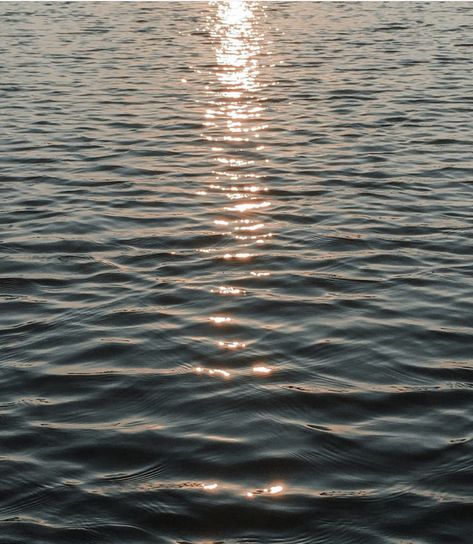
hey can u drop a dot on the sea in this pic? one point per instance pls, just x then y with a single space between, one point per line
236 272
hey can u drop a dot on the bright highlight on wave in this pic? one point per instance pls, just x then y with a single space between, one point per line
248 206
242 255
273 490
262 370
232 345
212 371
256 226
218 320
229 291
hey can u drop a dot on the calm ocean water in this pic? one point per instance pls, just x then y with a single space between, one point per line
236 274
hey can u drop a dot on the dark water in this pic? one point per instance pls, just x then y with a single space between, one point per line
236 273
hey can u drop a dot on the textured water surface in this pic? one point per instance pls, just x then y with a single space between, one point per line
236 273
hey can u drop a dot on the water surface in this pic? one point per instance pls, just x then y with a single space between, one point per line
236 273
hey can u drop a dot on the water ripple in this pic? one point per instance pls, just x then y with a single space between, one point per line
235 285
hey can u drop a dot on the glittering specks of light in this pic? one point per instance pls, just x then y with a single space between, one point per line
240 255
273 490
247 206
213 371
260 274
232 345
223 290
220 320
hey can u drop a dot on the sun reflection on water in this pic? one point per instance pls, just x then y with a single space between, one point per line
260 369
235 53
235 105
235 123
213 371
229 291
231 345
219 320
273 490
